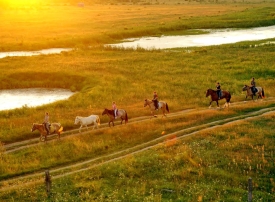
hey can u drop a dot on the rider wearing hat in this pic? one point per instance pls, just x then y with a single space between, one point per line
218 87
253 86
47 122
115 109
155 100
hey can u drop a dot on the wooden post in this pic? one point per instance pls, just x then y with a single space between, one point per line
48 182
250 189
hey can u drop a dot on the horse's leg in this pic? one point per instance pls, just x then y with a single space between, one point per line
153 113
210 104
217 103
163 112
80 129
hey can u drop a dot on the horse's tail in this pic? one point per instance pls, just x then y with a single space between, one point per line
60 129
229 97
126 117
98 120
263 92
167 108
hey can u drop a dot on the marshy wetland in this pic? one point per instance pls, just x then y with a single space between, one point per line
194 154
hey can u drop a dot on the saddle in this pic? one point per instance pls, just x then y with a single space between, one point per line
156 104
44 124
220 93
116 112
254 89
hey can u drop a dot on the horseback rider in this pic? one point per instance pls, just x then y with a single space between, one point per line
47 122
115 109
218 88
155 100
253 86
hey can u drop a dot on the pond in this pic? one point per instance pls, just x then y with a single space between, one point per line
31 97
214 37
31 53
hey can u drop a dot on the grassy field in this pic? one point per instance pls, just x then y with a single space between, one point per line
213 165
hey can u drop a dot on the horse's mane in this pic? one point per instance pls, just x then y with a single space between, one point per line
109 110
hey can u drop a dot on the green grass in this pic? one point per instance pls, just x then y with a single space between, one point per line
190 169
74 27
213 165
128 77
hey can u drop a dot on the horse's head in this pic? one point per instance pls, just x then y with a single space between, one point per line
105 112
245 87
76 121
33 127
208 92
145 102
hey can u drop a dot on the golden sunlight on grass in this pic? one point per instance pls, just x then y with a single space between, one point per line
22 2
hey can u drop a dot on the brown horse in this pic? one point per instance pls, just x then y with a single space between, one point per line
120 113
162 106
214 97
260 92
55 128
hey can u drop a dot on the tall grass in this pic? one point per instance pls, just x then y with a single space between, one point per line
128 77
71 26
213 165
190 169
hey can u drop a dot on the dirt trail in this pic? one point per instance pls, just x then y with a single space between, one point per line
94 162
35 141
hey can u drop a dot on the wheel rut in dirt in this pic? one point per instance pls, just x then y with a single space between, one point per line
94 162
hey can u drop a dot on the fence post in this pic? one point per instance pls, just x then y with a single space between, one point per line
250 189
48 182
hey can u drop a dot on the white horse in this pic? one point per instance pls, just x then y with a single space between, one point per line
85 121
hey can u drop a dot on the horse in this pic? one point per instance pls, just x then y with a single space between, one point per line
161 105
260 92
55 128
120 113
85 121
214 97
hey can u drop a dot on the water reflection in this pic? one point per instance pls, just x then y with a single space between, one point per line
31 53
31 97
215 37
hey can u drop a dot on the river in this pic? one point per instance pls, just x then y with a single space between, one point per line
31 97
214 37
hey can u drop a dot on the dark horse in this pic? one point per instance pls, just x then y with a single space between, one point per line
214 97
120 113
